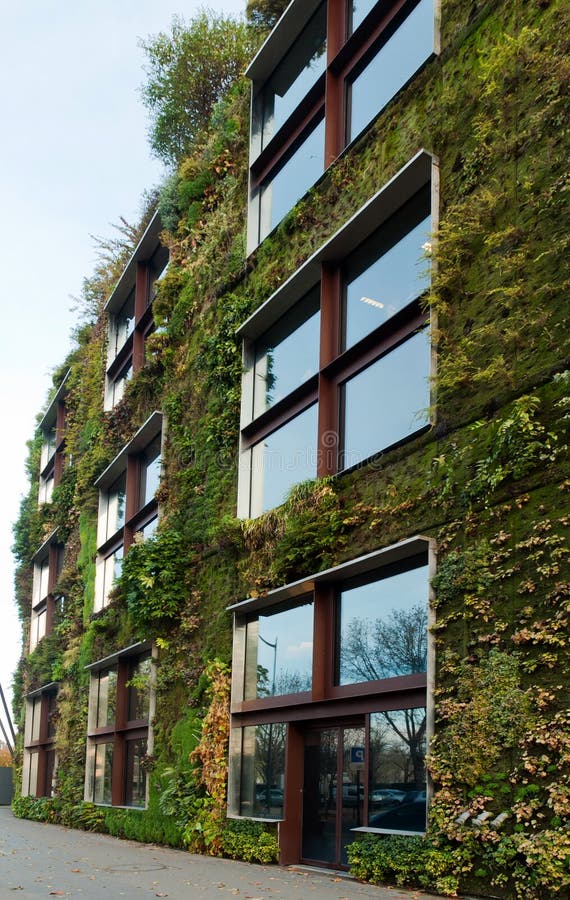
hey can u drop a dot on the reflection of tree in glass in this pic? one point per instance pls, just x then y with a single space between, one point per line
286 682
269 758
384 648
397 743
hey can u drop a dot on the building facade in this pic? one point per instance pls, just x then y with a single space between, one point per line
299 557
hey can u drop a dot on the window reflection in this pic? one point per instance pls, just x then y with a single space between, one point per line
122 326
106 698
288 354
135 781
299 173
282 459
382 627
115 506
263 770
397 771
138 689
358 10
392 67
386 273
150 472
279 652
295 74
386 402
102 780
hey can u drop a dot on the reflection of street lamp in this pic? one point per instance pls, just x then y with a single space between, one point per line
268 773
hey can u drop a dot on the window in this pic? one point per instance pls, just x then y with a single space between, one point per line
52 430
120 702
263 771
279 651
129 309
39 762
341 668
337 361
47 566
382 627
392 66
324 73
127 504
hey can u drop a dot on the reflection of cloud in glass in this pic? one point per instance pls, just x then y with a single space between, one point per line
303 648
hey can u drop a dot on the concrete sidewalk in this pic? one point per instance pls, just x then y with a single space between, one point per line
42 861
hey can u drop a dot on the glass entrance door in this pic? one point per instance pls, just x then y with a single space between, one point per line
333 792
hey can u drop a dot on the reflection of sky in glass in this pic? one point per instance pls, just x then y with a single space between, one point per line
288 354
383 627
386 402
285 641
392 67
296 74
387 285
360 9
283 459
292 181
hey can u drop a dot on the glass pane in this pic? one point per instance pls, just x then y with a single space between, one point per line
319 795
112 570
386 402
295 75
149 529
41 580
150 472
116 505
383 627
33 779
263 770
36 719
122 325
397 779
384 277
283 459
288 354
102 781
139 689
279 652
394 64
352 803
135 775
358 10
107 698
299 173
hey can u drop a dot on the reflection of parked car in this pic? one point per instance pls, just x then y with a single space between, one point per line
407 816
386 797
273 797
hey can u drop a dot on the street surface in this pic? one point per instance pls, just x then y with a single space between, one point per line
42 861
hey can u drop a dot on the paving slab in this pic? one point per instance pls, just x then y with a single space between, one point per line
39 860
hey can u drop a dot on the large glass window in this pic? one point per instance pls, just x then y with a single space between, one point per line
122 325
288 354
103 774
397 770
386 402
112 567
279 652
139 689
106 698
295 74
150 472
135 776
392 67
263 770
114 508
119 713
294 178
387 272
382 627
283 459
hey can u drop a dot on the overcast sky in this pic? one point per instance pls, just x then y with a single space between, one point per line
74 158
